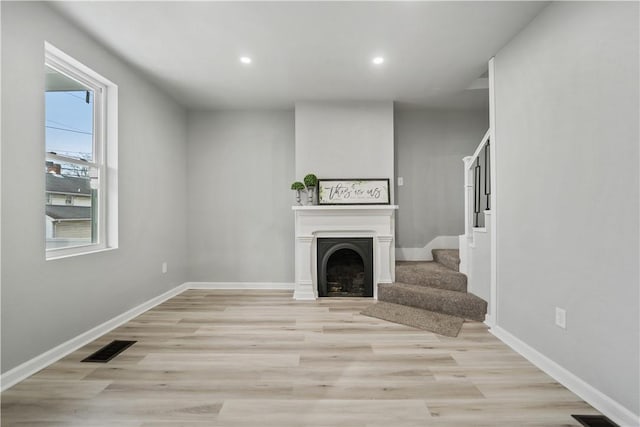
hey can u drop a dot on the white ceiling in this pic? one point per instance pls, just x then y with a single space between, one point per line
308 50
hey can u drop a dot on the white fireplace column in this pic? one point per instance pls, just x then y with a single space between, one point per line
304 280
311 222
386 255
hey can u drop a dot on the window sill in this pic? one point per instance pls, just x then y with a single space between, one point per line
51 257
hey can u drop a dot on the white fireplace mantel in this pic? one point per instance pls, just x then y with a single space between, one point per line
311 222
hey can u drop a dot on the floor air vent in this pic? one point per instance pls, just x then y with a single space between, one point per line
109 351
595 421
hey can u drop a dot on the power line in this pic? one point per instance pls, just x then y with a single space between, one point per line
79 97
66 125
69 130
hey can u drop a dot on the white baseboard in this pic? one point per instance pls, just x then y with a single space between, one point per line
242 285
424 253
603 403
488 320
30 367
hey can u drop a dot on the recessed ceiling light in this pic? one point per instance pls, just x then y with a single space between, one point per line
378 60
245 60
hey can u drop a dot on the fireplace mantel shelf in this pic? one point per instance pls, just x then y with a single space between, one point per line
343 207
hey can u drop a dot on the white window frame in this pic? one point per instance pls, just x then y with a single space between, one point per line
105 152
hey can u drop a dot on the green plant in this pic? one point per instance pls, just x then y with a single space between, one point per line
310 180
297 186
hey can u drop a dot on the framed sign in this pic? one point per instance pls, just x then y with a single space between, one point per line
353 192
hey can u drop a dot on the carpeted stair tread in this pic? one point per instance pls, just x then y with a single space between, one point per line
450 258
429 273
444 301
438 323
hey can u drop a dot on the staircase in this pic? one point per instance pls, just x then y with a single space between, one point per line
435 286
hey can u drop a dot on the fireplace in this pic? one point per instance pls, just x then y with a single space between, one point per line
345 267
315 223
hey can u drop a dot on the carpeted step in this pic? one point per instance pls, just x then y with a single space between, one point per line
429 273
439 323
454 303
450 258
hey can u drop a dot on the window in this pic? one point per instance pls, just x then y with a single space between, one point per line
80 158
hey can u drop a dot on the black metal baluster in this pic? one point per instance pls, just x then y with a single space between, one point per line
476 190
487 177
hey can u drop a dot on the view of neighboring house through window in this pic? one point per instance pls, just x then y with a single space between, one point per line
75 158
70 213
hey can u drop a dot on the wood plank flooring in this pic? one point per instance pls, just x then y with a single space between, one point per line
258 358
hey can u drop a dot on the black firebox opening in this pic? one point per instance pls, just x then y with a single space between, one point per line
345 267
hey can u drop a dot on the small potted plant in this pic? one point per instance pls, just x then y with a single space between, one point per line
310 181
298 186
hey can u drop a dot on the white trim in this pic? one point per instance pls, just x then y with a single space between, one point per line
468 196
424 253
241 285
110 166
84 252
30 367
487 321
469 161
1 183
493 280
312 222
69 65
105 151
344 207
597 399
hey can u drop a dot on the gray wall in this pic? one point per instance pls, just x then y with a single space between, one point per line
45 303
430 145
344 140
239 175
567 191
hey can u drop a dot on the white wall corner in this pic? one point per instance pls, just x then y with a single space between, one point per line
493 218
603 403
424 253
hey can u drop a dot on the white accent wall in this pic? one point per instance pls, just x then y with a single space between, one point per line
429 147
45 303
567 108
344 140
240 169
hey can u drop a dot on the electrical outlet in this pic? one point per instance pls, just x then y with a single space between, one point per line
400 181
561 317
164 267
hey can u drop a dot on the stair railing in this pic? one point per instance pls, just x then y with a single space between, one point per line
477 183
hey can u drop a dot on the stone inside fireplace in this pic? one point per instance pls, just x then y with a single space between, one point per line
345 267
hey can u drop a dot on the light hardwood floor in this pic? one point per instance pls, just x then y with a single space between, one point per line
258 358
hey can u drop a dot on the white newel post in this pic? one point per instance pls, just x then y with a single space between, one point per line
313 221
468 195
463 241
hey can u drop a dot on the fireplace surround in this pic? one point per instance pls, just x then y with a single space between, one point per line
376 222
